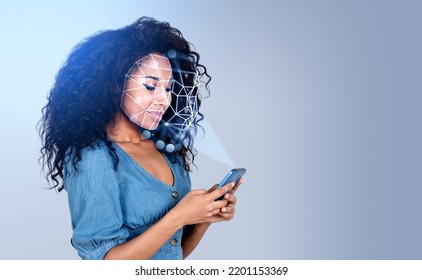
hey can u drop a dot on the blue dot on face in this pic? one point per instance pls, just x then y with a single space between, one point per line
179 147
146 134
170 148
160 144
171 54
176 137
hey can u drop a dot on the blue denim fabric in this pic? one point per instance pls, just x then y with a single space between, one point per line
109 207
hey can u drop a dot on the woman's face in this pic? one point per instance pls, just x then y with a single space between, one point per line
147 93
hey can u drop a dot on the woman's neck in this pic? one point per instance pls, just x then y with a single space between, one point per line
123 130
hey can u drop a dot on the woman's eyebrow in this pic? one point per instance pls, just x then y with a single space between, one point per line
158 80
152 77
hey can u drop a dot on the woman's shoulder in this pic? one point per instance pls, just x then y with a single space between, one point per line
97 150
98 155
90 169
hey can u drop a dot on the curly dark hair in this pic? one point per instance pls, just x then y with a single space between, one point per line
88 90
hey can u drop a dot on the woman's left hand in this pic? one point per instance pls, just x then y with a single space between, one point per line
227 212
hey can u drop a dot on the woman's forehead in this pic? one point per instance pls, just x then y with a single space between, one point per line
155 66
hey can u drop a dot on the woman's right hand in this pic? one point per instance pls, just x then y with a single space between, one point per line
198 206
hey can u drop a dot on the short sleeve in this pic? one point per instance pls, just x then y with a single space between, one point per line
94 204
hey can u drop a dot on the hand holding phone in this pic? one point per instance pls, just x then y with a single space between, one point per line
233 176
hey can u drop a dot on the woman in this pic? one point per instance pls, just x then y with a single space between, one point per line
117 132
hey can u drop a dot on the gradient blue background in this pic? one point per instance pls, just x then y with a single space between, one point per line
319 100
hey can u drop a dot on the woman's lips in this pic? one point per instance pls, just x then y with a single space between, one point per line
156 115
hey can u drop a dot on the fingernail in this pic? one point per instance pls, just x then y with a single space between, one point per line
224 209
232 184
227 195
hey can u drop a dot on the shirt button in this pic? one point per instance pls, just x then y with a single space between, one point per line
175 194
173 242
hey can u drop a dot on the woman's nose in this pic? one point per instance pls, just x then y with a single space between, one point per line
162 96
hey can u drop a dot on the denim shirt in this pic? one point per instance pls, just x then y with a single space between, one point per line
109 207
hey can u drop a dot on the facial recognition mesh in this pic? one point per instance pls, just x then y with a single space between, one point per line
147 92
154 100
184 105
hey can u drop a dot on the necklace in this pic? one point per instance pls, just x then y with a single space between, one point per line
163 141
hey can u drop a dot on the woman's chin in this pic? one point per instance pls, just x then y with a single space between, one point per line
149 126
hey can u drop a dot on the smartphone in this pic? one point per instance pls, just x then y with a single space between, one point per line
233 176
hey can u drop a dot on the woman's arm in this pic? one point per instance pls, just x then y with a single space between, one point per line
193 234
197 207
146 244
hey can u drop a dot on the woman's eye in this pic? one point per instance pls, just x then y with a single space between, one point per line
148 87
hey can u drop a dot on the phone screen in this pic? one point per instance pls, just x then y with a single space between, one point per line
233 176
